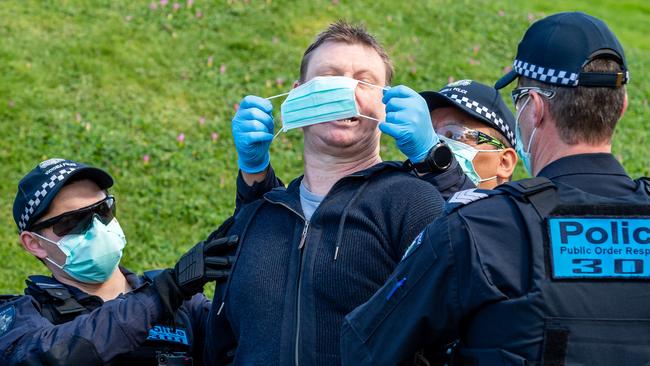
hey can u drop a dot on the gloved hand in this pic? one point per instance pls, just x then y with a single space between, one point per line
408 122
206 261
252 130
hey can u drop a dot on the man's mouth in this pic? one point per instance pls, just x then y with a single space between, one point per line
348 120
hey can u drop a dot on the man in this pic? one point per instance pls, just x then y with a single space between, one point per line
551 270
312 252
470 117
478 127
92 311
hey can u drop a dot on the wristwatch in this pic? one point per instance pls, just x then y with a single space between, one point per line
438 160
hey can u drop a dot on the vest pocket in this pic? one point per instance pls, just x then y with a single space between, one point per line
596 341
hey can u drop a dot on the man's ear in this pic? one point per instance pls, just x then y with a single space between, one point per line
31 244
624 105
296 84
506 165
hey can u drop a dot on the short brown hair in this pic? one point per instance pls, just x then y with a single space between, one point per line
344 32
585 114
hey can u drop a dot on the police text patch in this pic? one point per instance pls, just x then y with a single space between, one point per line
162 333
599 248
7 316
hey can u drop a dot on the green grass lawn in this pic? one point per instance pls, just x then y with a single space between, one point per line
114 83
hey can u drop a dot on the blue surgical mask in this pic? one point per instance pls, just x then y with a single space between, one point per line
321 99
465 155
93 256
524 155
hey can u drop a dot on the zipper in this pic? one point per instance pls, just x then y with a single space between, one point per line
303 239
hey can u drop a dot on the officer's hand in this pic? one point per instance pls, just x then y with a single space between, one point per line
252 130
206 261
408 122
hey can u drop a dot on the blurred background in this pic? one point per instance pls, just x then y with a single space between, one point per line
147 89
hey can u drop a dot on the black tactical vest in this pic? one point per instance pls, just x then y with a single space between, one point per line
583 306
167 344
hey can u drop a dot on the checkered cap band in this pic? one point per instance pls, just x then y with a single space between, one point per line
545 75
46 187
487 113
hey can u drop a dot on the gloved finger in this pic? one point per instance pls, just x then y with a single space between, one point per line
218 275
400 91
217 262
252 138
253 114
398 118
249 125
253 101
398 104
391 129
221 245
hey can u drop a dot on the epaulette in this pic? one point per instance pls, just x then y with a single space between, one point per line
149 275
7 298
466 197
646 182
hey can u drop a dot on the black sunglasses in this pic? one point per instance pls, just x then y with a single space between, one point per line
78 221
521 92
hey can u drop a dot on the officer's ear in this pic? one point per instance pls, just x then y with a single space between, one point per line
32 244
506 165
538 109
624 105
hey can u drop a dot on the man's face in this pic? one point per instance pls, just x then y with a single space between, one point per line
71 197
485 163
358 62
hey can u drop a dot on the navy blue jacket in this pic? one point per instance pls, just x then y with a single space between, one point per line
294 281
100 336
470 276
447 183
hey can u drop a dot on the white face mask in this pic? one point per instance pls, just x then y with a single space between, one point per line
465 155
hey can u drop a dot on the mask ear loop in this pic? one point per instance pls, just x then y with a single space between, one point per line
273 97
374 86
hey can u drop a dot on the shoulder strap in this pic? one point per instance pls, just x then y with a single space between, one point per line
55 299
148 276
7 298
540 192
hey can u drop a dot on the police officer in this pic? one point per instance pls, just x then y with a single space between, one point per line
474 121
92 311
551 270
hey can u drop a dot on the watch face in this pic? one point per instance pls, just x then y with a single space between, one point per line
441 156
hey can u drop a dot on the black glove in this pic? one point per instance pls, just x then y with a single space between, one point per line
206 261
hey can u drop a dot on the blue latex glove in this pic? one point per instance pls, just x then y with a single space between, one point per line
252 131
408 121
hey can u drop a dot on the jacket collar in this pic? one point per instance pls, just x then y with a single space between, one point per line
290 196
133 280
597 163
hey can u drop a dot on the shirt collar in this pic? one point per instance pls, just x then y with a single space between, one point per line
597 163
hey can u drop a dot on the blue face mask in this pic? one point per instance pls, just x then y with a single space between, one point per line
524 155
465 155
321 99
93 256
